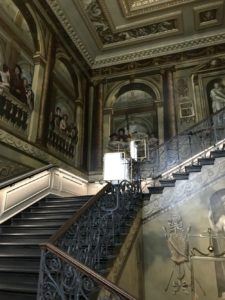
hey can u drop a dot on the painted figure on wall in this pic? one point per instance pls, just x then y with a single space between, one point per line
216 93
176 237
19 87
5 76
17 84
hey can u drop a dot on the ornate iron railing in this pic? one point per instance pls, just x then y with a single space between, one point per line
185 145
91 239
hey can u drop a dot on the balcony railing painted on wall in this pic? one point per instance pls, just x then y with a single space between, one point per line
13 113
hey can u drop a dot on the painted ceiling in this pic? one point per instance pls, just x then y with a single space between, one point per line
109 32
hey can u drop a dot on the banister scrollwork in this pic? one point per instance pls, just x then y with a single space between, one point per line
91 240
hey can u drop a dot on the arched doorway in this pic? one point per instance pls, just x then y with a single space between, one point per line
132 107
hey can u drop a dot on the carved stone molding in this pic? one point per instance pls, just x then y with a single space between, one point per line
115 58
136 8
73 35
107 35
100 61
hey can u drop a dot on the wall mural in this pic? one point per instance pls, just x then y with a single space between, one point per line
177 241
16 69
216 94
193 213
14 82
129 124
62 132
185 107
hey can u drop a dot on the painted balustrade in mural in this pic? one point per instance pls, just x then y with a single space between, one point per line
62 133
185 145
13 112
92 239
16 98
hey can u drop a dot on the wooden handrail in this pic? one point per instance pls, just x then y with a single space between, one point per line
77 215
108 285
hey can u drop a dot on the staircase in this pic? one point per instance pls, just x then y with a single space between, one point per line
186 170
19 244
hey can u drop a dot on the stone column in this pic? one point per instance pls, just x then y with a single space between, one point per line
90 124
43 113
160 116
80 127
169 105
201 112
37 84
97 141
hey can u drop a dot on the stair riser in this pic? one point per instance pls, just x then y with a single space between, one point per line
44 222
49 216
23 238
4 295
23 231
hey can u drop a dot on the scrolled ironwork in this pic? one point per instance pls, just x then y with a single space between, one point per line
92 240
98 231
63 281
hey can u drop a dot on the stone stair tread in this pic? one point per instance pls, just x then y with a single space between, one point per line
155 189
42 210
11 268
17 286
30 216
206 161
33 222
6 295
181 175
6 232
61 205
19 242
20 252
20 237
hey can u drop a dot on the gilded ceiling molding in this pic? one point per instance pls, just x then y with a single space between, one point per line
130 10
96 17
159 51
67 26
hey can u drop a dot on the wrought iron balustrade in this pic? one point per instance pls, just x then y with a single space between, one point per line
91 237
185 145
66 278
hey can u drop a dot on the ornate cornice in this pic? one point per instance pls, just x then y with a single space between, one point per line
110 59
148 6
190 44
73 35
105 34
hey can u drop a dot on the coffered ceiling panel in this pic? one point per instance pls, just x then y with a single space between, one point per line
109 32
